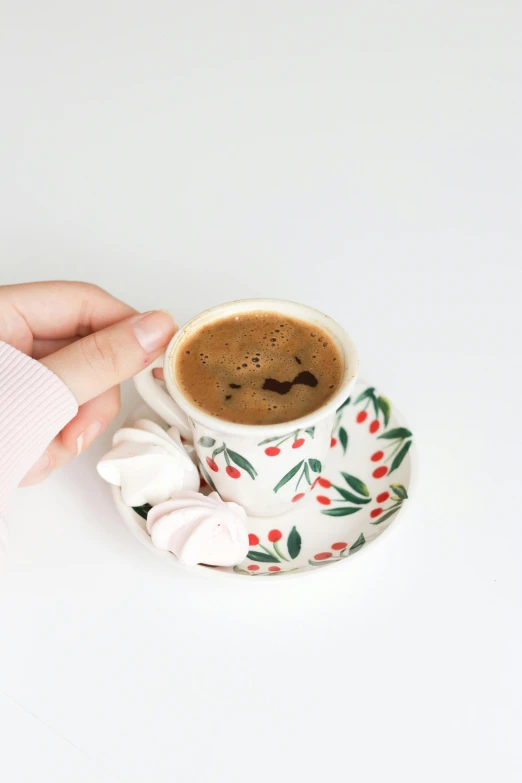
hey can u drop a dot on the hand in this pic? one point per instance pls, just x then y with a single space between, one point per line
91 341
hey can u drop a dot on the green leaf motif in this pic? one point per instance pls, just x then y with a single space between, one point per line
367 393
315 465
286 478
277 550
343 437
356 484
398 432
386 516
217 451
310 431
262 557
307 473
268 440
206 442
206 476
399 490
293 543
345 403
142 511
358 544
375 403
341 512
400 456
241 462
384 405
352 498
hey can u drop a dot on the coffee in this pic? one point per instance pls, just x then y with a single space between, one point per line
258 368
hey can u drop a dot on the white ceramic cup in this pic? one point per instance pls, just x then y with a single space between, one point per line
258 466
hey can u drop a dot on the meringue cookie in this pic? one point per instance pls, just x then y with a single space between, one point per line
148 463
200 529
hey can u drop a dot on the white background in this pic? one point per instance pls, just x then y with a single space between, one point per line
361 157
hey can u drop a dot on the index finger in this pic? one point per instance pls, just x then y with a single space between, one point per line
64 309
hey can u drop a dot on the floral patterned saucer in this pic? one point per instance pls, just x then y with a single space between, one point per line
361 490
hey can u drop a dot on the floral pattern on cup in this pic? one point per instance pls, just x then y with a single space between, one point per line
230 457
239 468
303 470
297 439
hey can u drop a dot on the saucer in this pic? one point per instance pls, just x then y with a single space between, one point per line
361 491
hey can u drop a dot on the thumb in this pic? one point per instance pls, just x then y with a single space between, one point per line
98 362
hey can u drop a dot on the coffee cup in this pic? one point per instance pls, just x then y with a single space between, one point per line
237 459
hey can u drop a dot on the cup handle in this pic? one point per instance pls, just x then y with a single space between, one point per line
160 400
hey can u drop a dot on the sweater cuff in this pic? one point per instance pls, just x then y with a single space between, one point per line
34 406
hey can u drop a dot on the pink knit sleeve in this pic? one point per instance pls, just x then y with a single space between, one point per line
34 406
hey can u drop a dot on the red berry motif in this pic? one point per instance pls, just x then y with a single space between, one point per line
253 568
324 482
374 426
323 500
361 416
333 443
376 512
382 497
274 568
253 540
377 456
297 497
233 472
212 465
339 545
298 443
315 483
272 451
323 556
380 472
275 535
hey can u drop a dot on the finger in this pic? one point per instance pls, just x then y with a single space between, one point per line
55 455
94 364
158 373
58 309
39 471
90 421
43 348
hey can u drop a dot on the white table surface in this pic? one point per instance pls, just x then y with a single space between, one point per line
360 157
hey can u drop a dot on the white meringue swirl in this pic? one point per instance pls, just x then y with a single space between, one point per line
148 463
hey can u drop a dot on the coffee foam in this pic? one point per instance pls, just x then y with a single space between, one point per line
258 368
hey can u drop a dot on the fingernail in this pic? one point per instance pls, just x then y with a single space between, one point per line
154 330
86 437
39 467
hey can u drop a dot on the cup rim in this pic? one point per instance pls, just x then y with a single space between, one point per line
288 308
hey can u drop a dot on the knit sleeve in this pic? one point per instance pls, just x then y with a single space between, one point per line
34 406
